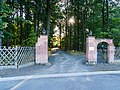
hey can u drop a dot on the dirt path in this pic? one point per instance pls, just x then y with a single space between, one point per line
64 62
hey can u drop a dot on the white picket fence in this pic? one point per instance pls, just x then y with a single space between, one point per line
16 56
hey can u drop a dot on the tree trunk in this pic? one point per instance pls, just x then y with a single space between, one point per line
75 45
107 7
35 24
48 17
28 17
66 28
78 28
78 34
60 34
70 37
103 19
21 27
66 38
83 31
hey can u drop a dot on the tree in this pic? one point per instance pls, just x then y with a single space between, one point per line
5 12
31 38
20 18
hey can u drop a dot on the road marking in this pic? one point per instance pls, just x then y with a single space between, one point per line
21 83
60 75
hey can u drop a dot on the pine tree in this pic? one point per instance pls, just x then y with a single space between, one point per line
31 38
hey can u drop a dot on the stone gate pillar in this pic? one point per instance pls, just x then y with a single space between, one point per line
42 50
91 50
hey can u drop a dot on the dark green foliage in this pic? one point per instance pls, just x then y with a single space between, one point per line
23 21
5 12
31 38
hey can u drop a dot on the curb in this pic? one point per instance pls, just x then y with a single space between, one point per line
63 75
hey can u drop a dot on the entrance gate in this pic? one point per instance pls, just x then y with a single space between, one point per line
91 49
102 52
42 50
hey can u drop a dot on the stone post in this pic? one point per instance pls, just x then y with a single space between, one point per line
42 50
91 54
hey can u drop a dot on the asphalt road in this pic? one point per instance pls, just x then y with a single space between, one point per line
87 82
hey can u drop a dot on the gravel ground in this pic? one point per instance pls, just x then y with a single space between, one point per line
61 62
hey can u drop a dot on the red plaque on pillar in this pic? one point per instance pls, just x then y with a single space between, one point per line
42 50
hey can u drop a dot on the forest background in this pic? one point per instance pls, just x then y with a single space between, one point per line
23 21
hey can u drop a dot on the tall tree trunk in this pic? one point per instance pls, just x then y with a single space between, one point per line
28 17
21 26
18 41
38 22
66 38
83 31
70 37
60 34
38 27
75 39
78 34
48 17
103 19
27 32
13 9
75 31
66 28
35 24
107 7
78 28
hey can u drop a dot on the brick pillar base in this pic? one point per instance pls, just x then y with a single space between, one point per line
91 55
42 50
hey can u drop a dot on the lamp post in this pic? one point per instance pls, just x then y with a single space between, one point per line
89 32
71 20
44 32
